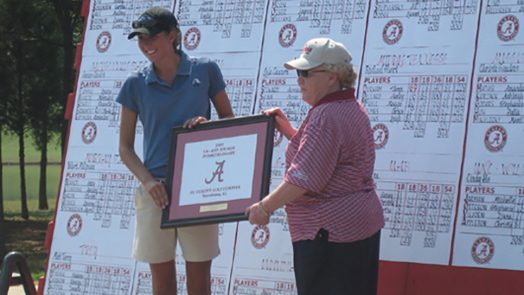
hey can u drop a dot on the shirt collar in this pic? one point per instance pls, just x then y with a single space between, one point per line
184 68
336 96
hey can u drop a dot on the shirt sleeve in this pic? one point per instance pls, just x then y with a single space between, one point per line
316 158
216 79
126 96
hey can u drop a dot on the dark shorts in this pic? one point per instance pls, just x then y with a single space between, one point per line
323 267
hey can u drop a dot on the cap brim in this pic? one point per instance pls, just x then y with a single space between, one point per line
300 64
143 30
138 31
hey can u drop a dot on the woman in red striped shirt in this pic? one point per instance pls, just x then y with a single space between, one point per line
333 210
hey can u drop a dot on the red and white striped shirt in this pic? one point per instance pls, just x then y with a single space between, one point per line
332 156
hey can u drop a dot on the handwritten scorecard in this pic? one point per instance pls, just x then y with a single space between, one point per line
443 85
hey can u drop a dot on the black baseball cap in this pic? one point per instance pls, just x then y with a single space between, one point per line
153 21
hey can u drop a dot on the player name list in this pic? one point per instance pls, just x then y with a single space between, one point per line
90 187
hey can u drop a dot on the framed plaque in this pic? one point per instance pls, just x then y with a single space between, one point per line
218 169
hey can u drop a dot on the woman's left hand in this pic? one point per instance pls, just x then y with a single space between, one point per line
257 215
193 122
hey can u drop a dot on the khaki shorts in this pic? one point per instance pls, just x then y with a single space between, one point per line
155 245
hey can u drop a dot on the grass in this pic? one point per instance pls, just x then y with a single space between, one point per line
17 234
32 155
11 182
27 237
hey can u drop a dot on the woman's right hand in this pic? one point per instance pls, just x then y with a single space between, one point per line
257 214
282 123
158 193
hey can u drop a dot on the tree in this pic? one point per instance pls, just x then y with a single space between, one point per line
3 93
68 16
19 116
64 29
6 89
14 94
45 109
21 21
1 169
1 178
37 48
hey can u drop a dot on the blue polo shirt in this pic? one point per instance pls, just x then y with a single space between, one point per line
161 106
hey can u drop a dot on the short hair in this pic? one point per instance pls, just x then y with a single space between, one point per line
346 73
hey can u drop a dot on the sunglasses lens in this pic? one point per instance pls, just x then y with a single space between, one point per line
144 21
302 73
136 24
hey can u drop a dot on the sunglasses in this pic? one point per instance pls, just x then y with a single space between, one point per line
307 73
144 21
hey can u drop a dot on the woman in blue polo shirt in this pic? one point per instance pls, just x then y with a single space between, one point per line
173 90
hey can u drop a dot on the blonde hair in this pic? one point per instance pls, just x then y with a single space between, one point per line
346 73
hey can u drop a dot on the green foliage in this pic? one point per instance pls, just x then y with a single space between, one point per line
32 66
34 102
37 42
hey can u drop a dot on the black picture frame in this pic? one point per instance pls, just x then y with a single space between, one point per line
201 188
